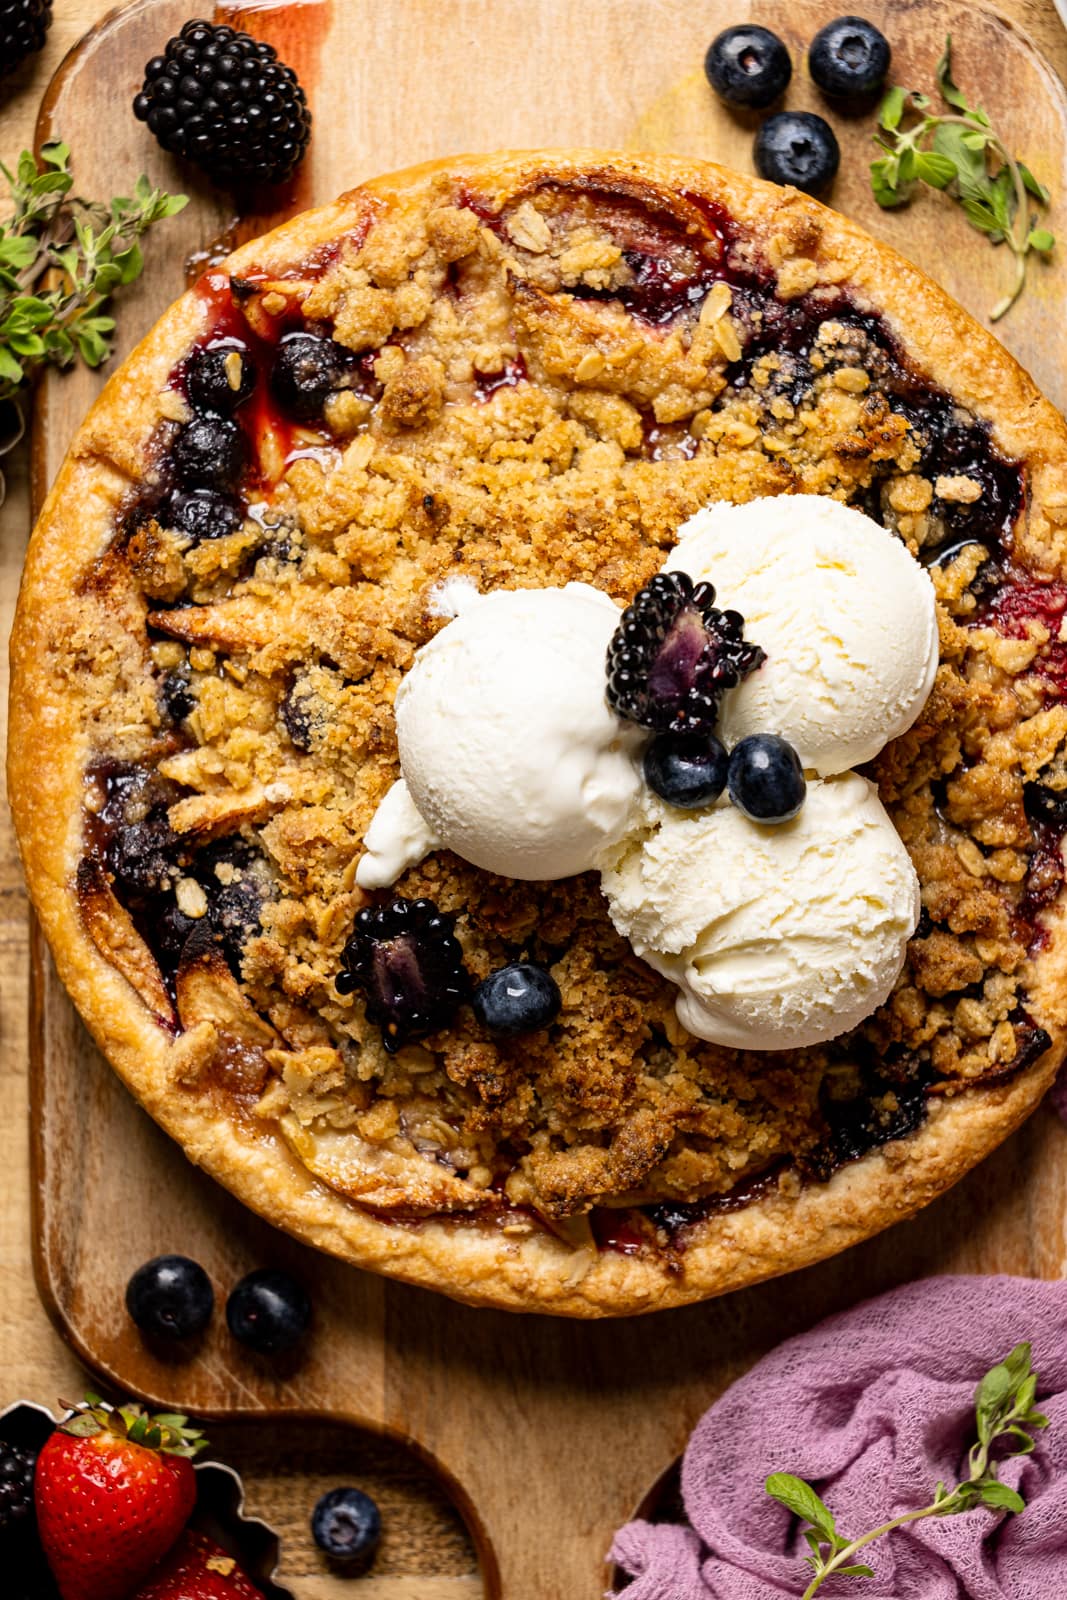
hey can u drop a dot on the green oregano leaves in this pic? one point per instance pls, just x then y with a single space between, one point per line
961 153
1004 1416
60 259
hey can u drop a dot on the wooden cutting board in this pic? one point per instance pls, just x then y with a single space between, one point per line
546 1433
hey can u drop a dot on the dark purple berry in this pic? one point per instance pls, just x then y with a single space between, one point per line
268 1311
170 1298
23 27
176 696
307 370
765 778
674 655
517 999
347 1526
210 376
1044 806
224 100
849 58
143 856
17 1520
406 959
686 770
208 453
200 513
748 65
797 148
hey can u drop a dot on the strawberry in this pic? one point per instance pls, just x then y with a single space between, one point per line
114 1488
197 1569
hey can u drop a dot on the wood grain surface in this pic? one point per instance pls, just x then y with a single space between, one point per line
546 1433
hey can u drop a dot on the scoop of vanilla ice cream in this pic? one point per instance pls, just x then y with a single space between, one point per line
777 937
509 751
846 615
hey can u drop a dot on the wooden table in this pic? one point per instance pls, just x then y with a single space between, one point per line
427 1555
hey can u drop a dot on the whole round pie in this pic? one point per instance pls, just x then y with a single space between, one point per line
522 371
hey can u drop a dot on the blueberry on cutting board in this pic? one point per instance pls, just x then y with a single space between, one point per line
171 1298
748 66
849 58
268 1311
347 1526
798 148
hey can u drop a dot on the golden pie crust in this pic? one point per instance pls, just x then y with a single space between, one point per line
522 417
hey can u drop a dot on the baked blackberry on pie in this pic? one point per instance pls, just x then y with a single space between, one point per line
527 373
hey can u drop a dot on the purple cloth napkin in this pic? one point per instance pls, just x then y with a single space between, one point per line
873 1407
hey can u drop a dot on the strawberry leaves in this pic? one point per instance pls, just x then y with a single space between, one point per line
1005 1416
167 1432
960 153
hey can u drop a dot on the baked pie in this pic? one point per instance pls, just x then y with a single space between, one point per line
509 373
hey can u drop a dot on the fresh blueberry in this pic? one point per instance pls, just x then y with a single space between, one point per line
748 66
765 778
200 513
517 999
170 1297
220 379
686 771
347 1525
849 58
307 369
208 453
797 147
268 1311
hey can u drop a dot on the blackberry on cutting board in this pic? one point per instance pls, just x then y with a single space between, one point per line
408 962
23 27
674 654
224 100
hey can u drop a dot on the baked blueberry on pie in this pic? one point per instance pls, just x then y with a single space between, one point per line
373 502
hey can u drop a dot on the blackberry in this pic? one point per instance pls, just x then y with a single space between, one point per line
224 100
23 26
674 654
16 1495
307 370
220 379
408 962
208 453
200 513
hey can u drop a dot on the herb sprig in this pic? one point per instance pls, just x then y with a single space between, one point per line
90 248
1004 1415
61 257
953 151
